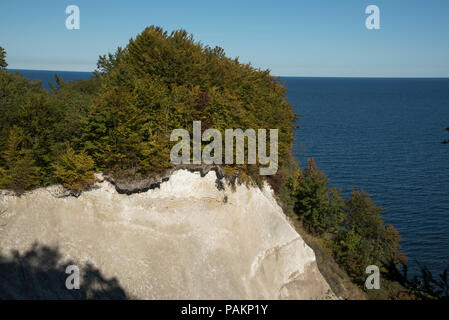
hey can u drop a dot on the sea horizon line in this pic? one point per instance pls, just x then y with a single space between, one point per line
280 76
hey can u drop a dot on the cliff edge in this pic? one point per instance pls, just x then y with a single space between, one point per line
186 239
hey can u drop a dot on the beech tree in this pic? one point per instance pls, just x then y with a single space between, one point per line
164 81
3 63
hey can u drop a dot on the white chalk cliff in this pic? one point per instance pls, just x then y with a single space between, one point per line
184 240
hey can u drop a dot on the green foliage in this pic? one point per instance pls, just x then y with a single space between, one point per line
108 62
317 204
353 228
122 118
422 286
161 82
19 171
3 63
364 239
40 124
75 171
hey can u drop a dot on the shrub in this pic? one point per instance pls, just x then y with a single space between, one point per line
3 63
317 204
19 171
364 239
353 229
74 170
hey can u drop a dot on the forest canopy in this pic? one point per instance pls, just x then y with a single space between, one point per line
120 120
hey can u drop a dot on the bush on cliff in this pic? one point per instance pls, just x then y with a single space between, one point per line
20 172
75 171
3 63
318 205
352 229
364 239
36 125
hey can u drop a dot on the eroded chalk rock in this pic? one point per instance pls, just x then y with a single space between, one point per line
186 239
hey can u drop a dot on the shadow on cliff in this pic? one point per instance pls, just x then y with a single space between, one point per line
39 273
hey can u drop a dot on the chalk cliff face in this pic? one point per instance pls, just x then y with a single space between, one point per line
184 240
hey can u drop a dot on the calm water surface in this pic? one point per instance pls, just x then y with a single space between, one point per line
384 136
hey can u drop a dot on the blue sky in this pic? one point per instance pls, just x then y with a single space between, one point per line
292 38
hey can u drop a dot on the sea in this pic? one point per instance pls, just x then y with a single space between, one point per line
47 77
380 135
